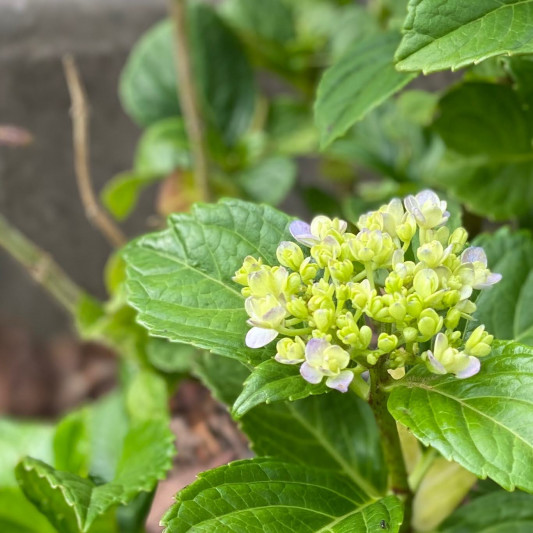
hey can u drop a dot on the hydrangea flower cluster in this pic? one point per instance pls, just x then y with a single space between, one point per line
398 289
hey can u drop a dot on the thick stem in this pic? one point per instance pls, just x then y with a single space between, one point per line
188 97
398 480
40 266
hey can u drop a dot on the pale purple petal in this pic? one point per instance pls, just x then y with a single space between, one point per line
340 382
435 363
474 254
285 361
427 195
259 337
310 374
492 278
301 231
471 369
314 350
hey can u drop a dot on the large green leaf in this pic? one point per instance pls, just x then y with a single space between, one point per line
441 35
488 128
148 87
360 80
505 308
485 423
271 496
180 279
499 512
122 462
334 431
271 382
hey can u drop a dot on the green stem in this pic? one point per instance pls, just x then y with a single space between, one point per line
294 332
421 468
360 387
370 275
40 266
390 439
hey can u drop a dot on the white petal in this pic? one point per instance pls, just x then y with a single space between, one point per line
428 195
474 254
310 374
411 204
340 382
301 231
314 350
285 361
492 278
435 364
471 369
259 337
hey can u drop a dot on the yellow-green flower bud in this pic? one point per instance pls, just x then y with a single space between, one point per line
290 255
308 270
429 323
479 342
298 308
372 358
325 251
342 293
425 283
372 246
322 227
386 342
432 253
398 310
453 316
407 227
451 298
410 334
393 283
250 264
324 319
414 305
341 271
294 284
289 351
361 293
268 281
458 239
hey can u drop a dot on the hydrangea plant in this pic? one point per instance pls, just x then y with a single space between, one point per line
395 291
332 340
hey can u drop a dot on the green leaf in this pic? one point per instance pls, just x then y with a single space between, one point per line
170 357
163 148
484 422
20 439
123 460
271 382
449 35
334 431
489 149
274 497
270 180
269 20
148 87
499 512
361 80
505 308
121 193
180 279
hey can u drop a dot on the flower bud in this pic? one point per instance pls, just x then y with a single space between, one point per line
290 255
342 292
426 282
429 323
458 239
407 228
427 208
322 227
453 316
341 271
324 319
298 308
249 265
289 351
308 270
431 253
325 251
410 334
361 293
414 305
479 342
386 342
398 311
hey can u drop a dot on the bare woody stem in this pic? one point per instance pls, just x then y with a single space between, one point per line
40 266
80 132
390 439
188 97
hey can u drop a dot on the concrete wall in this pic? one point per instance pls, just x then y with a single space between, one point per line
37 185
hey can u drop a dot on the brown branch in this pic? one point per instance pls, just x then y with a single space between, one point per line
42 268
188 97
80 133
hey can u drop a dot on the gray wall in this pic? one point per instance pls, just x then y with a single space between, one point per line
37 184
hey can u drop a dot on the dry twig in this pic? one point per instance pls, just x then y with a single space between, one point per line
80 132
